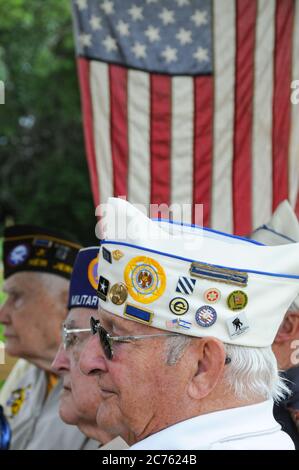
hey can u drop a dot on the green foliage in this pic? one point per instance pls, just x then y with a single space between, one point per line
44 178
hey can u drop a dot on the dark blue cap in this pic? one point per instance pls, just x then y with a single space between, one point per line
84 280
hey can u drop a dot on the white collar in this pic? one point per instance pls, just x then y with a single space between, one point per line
199 432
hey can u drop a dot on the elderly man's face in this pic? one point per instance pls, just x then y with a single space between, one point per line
148 394
80 398
32 317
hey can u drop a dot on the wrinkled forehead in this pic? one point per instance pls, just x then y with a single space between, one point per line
80 317
26 281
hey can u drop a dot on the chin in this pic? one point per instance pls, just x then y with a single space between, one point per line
68 414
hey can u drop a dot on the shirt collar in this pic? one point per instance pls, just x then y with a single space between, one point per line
199 432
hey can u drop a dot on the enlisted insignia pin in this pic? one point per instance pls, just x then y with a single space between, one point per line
17 399
237 300
138 314
103 288
118 293
216 273
145 279
92 273
62 252
206 316
117 255
106 255
18 255
185 285
179 306
212 295
237 324
42 242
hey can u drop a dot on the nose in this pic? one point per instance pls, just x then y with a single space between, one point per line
4 314
61 363
92 360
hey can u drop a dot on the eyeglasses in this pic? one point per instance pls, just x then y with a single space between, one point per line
107 341
69 335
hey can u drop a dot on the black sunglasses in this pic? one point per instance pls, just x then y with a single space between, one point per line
107 341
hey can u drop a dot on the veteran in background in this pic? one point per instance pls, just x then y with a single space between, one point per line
283 228
183 346
81 396
37 268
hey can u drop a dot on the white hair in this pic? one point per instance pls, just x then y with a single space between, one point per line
55 285
294 307
252 372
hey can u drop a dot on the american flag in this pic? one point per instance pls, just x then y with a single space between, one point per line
188 101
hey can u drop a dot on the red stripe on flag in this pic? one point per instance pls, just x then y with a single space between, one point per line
281 98
83 67
244 84
160 138
202 146
119 127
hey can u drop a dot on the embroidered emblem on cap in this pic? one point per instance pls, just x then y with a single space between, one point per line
212 295
237 300
145 279
216 273
138 314
206 316
42 242
62 252
179 306
185 285
237 324
178 323
92 273
103 288
18 255
117 255
118 293
106 255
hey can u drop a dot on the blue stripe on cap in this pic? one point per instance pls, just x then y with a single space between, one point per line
139 314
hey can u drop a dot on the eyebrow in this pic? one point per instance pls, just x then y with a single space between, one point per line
70 324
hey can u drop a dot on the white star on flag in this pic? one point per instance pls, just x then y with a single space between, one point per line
107 6
199 17
85 40
184 36
139 50
152 33
170 54
182 3
81 4
95 22
201 54
110 43
167 16
123 28
136 13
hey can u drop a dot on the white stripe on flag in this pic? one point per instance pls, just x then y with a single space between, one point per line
262 114
224 76
182 142
99 85
139 184
294 135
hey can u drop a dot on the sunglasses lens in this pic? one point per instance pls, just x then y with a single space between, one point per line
105 343
103 335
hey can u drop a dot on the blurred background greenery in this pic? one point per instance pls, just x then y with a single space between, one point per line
43 172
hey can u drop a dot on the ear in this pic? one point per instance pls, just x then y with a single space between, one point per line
210 359
289 329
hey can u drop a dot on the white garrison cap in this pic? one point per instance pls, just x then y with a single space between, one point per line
282 228
194 281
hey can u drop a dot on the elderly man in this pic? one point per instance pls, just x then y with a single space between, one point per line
183 346
283 228
80 398
37 267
